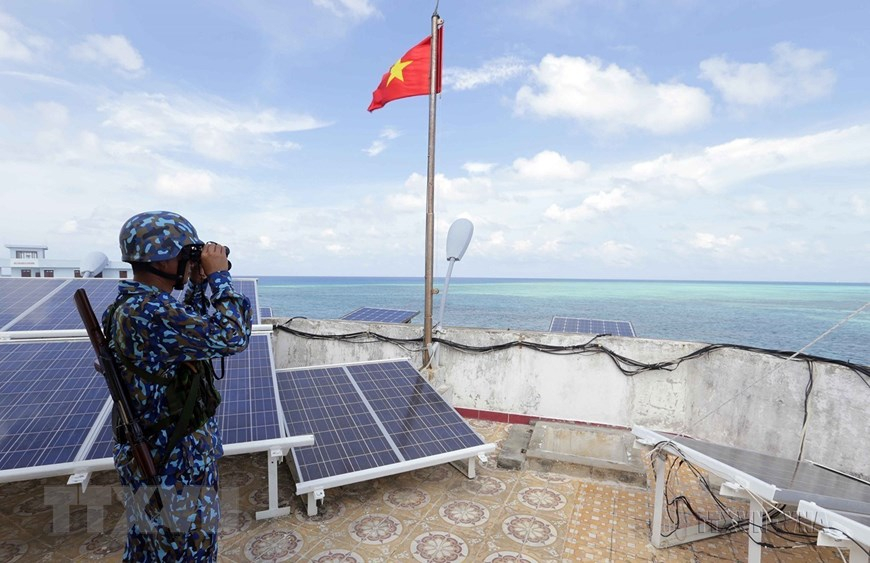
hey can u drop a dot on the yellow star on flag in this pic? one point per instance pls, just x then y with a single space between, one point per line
396 70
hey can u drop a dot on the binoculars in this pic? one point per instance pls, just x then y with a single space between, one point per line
193 253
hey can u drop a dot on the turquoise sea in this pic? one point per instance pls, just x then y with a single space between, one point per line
781 316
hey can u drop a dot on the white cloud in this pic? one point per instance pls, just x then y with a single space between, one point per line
496 71
593 205
266 242
522 246
474 188
37 77
756 205
793 204
610 97
354 9
708 241
406 202
613 253
376 148
859 205
380 144
478 167
185 184
69 227
550 165
211 127
17 43
52 114
794 76
109 50
742 159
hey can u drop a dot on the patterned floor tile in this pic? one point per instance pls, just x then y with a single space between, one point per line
434 514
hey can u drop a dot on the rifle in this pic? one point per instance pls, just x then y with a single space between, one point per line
105 364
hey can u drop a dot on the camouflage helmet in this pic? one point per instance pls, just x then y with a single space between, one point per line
155 236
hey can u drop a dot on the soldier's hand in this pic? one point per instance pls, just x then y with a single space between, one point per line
214 258
197 274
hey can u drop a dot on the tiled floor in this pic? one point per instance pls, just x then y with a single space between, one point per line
430 515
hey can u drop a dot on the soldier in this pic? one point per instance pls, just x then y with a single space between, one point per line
164 349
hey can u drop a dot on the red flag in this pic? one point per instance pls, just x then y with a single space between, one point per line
409 76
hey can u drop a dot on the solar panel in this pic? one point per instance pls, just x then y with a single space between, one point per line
58 312
102 447
793 480
265 312
17 295
376 315
591 326
324 402
248 409
370 415
50 397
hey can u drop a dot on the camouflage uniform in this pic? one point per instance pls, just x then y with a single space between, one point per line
153 334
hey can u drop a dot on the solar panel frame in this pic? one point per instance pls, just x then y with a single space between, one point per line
856 526
104 442
380 315
776 479
591 326
332 402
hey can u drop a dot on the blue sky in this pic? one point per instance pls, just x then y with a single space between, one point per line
588 139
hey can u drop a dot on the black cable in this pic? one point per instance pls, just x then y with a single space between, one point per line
736 525
807 391
627 366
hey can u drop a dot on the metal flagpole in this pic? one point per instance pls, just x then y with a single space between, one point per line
430 192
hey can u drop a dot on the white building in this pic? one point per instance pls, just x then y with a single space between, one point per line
29 261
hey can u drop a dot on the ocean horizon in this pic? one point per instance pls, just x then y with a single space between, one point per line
766 314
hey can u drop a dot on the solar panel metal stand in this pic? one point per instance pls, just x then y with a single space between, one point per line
275 455
834 538
678 536
835 527
700 531
761 479
372 419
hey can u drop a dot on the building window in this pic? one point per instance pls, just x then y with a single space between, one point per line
48 273
122 274
37 274
26 254
25 273
77 273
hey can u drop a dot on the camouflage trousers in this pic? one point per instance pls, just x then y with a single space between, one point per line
176 520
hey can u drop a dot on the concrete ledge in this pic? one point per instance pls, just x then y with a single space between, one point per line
586 451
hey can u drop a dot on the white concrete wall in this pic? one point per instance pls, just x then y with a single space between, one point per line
728 396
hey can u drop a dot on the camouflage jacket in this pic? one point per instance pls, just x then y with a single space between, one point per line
154 332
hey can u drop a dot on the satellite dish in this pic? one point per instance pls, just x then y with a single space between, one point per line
93 264
458 238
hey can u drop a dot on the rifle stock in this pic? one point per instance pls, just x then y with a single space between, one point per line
106 365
